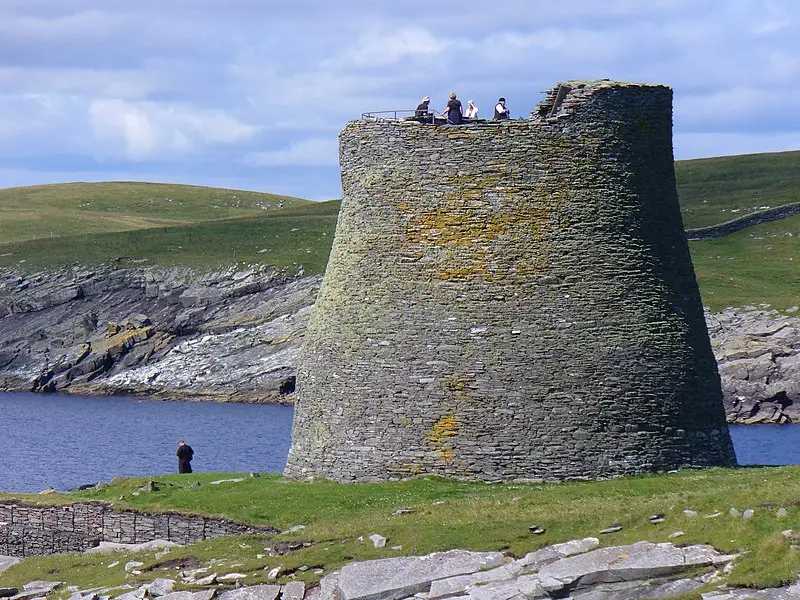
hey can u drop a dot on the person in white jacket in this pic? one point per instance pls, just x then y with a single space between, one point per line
472 110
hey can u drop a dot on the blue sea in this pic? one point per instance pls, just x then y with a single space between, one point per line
64 441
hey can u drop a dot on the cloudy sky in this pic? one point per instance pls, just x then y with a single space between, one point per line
251 94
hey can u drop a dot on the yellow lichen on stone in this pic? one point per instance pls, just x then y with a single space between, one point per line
445 427
439 438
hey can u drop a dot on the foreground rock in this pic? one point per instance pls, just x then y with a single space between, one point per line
170 333
575 569
566 570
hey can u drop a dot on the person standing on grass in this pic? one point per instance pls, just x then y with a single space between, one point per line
185 454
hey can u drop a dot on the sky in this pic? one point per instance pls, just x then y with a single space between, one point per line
251 94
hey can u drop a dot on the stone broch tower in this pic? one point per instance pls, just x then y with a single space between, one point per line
511 300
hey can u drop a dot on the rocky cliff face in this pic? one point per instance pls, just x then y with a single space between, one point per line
235 336
230 336
758 357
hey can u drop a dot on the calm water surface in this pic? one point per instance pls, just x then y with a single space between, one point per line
66 441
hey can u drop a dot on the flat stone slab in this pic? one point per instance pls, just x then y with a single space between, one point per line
625 563
106 547
537 559
184 595
160 586
41 586
525 586
253 592
444 588
640 590
294 590
396 578
7 561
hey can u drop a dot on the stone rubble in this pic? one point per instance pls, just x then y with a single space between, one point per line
576 569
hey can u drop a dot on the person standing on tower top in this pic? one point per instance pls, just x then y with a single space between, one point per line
500 110
454 112
472 110
422 108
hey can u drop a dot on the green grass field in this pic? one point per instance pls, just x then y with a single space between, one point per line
758 265
49 211
714 190
292 236
450 514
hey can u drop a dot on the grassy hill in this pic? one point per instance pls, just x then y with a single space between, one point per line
714 190
35 212
161 224
757 265
207 228
288 237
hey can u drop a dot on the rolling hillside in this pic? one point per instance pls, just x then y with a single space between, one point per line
207 228
67 209
714 190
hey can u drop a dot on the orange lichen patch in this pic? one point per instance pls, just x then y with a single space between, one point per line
444 227
405 469
439 438
445 427
124 339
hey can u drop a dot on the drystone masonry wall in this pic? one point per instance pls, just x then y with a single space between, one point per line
511 300
27 530
757 218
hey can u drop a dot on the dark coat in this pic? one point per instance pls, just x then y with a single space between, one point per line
455 113
185 454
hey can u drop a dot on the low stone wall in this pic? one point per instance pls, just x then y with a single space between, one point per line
27 530
734 225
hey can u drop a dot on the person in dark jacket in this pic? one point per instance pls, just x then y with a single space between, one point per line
185 454
454 111
500 110
422 108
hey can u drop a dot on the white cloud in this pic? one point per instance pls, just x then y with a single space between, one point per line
147 130
281 78
314 152
383 48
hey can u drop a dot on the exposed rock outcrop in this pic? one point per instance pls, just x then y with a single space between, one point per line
232 335
758 357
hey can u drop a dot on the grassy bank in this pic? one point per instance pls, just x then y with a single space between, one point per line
292 236
714 190
757 265
447 514
69 209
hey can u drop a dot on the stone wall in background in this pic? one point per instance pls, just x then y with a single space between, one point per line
27 530
511 300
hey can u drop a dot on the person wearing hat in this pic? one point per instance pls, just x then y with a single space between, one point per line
472 110
422 109
500 110
454 112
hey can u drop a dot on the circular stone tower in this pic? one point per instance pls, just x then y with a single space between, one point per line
511 300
